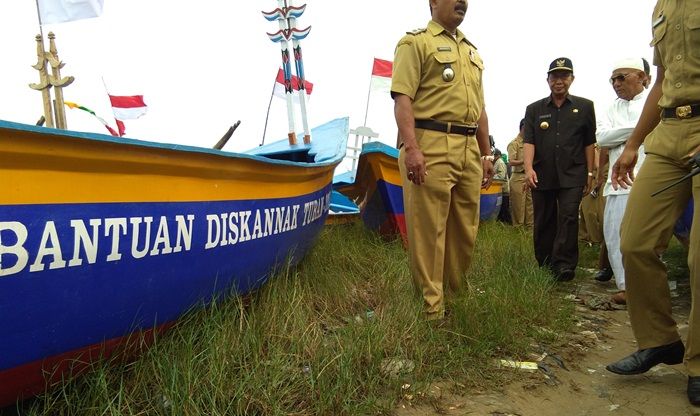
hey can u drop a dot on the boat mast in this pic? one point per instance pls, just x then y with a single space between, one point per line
292 15
43 84
286 17
58 82
55 114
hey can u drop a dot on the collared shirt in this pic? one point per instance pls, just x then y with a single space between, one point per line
613 131
420 60
676 42
501 174
560 136
515 152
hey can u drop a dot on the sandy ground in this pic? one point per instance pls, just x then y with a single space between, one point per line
573 381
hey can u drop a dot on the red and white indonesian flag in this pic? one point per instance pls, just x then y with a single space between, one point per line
381 75
280 92
60 11
127 107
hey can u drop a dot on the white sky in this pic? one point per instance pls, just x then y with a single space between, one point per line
203 65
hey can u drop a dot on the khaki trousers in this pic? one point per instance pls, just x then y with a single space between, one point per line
591 219
647 227
442 214
520 201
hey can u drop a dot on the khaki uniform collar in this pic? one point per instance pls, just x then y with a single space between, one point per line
436 29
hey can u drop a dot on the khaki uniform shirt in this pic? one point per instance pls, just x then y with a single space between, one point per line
681 84
421 58
516 152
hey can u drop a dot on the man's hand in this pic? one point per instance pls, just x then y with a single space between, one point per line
589 185
530 178
415 165
623 169
487 167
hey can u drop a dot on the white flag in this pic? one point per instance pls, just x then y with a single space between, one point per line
60 11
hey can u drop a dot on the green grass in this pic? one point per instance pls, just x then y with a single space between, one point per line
314 340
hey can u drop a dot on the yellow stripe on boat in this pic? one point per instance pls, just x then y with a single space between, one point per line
70 169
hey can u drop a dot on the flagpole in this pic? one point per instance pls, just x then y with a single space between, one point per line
267 116
104 84
38 15
369 91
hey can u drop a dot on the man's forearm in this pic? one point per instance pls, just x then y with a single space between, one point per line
482 134
528 155
405 121
590 157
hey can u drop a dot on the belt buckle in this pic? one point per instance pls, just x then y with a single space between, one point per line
684 111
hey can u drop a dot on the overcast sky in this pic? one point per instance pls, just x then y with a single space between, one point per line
203 65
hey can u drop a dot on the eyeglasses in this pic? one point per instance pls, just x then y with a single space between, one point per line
619 77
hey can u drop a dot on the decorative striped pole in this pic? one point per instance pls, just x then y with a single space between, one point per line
280 37
297 35
286 15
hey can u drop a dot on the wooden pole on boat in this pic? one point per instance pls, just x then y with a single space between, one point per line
292 13
44 85
224 139
281 37
58 82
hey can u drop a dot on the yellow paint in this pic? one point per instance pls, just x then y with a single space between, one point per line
38 168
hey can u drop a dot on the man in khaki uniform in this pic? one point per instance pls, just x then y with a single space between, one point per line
443 127
500 174
520 195
669 128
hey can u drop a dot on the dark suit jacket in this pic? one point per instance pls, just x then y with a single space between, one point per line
560 136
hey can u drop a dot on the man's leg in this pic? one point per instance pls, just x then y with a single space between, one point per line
545 208
692 354
426 208
565 250
647 227
529 211
614 210
463 219
517 199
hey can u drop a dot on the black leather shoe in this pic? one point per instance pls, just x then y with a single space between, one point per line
604 275
642 360
694 390
565 275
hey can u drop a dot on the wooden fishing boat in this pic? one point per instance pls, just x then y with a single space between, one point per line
103 237
376 187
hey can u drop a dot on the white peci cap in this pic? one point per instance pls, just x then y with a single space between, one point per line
630 63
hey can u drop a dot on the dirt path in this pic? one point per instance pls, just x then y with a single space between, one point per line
584 387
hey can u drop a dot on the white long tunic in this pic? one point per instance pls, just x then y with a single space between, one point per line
613 131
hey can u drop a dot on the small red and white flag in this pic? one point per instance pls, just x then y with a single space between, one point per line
279 90
127 107
381 75
60 11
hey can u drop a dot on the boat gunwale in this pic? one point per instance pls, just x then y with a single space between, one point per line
98 137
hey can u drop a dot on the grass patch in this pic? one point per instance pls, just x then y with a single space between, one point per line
341 334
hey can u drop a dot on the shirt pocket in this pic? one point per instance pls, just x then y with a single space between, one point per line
475 59
658 29
693 25
445 60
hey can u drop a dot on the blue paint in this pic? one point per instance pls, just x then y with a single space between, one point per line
53 311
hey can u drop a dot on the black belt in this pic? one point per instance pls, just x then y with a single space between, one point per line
446 127
682 112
